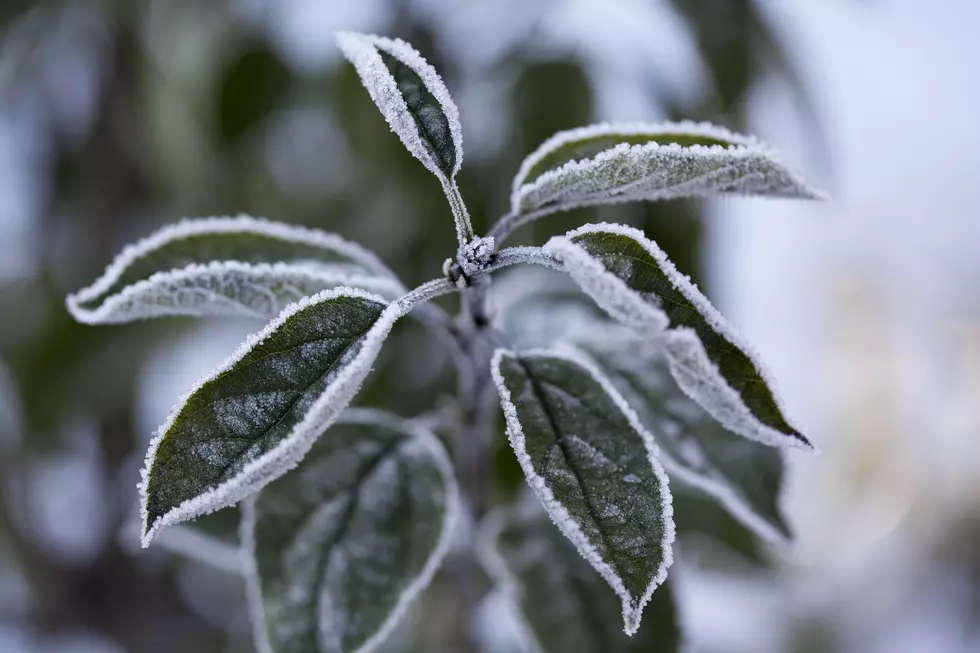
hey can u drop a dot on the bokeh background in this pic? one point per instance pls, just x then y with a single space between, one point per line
117 116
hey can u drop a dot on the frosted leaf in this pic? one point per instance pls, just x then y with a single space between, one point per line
417 106
577 441
744 476
226 266
609 163
337 550
565 605
257 416
630 277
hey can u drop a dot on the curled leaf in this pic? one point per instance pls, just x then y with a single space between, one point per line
226 266
630 277
610 163
744 476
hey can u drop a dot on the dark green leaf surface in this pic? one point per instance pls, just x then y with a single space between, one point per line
566 605
343 544
428 114
740 397
744 476
252 420
595 471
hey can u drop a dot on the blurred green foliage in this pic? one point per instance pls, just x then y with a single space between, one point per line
194 110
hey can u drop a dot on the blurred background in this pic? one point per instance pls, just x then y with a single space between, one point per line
119 116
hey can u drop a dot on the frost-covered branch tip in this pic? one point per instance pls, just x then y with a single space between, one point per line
416 104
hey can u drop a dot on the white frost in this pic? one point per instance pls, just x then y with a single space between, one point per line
259 290
652 171
323 411
606 289
694 372
692 466
632 605
139 297
430 446
362 51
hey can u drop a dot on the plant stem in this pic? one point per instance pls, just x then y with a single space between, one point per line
475 430
508 223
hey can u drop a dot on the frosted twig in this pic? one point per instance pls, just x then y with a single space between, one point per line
516 255
510 222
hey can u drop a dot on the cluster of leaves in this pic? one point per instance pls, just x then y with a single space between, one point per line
335 551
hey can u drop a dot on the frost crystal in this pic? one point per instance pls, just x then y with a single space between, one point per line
742 475
618 550
402 84
475 256
362 50
238 266
610 163
629 276
251 468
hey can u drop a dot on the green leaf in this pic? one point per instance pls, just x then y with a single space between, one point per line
226 266
566 606
431 121
610 163
340 548
256 417
417 106
593 466
742 475
630 277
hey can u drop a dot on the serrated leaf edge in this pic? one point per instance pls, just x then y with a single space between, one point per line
680 342
277 461
632 606
451 518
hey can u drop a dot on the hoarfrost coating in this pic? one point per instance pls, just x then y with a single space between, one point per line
228 288
651 171
638 370
270 465
626 131
172 237
694 371
632 605
362 51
